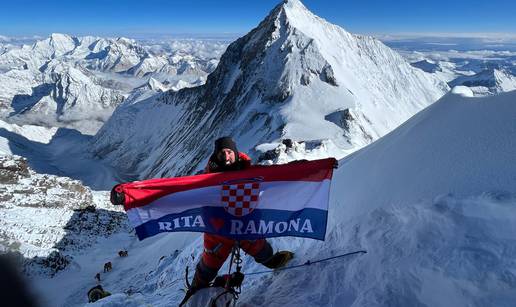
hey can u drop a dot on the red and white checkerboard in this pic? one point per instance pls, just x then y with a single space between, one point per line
240 199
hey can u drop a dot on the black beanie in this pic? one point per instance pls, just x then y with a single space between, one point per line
225 142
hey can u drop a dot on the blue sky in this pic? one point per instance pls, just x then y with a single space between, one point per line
129 17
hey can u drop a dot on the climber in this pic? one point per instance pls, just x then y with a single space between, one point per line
226 157
96 293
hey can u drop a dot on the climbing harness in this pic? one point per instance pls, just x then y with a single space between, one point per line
232 281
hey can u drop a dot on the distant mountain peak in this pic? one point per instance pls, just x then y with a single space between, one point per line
298 16
57 44
293 4
280 80
495 80
60 36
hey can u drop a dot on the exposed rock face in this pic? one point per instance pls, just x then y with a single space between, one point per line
22 187
44 219
341 118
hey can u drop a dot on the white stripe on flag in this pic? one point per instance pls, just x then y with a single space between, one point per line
278 195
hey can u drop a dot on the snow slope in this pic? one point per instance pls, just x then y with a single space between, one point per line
432 202
459 145
56 151
281 80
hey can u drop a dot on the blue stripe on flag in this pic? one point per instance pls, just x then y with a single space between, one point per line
261 223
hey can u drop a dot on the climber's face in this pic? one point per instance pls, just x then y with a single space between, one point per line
226 156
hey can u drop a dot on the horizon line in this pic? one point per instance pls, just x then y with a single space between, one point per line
229 35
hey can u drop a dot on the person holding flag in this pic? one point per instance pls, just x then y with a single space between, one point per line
217 248
236 205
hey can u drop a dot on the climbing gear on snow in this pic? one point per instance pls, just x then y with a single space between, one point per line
231 282
234 280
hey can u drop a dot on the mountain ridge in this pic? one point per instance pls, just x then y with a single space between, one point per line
272 78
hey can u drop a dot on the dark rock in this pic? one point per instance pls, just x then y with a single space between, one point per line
328 76
341 118
288 143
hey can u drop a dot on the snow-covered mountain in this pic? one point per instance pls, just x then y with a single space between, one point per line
491 81
487 72
431 198
65 95
77 81
294 76
100 54
432 202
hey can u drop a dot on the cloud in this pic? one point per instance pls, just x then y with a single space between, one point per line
486 37
4 39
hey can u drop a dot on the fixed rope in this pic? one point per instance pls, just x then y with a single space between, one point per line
308 263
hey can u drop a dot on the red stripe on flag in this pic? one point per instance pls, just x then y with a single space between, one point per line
141 193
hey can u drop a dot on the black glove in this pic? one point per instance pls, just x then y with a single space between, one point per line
117 198
336 164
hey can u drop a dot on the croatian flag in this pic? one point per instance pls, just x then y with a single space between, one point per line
258 202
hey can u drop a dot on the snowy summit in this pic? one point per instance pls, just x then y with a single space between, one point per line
294 76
